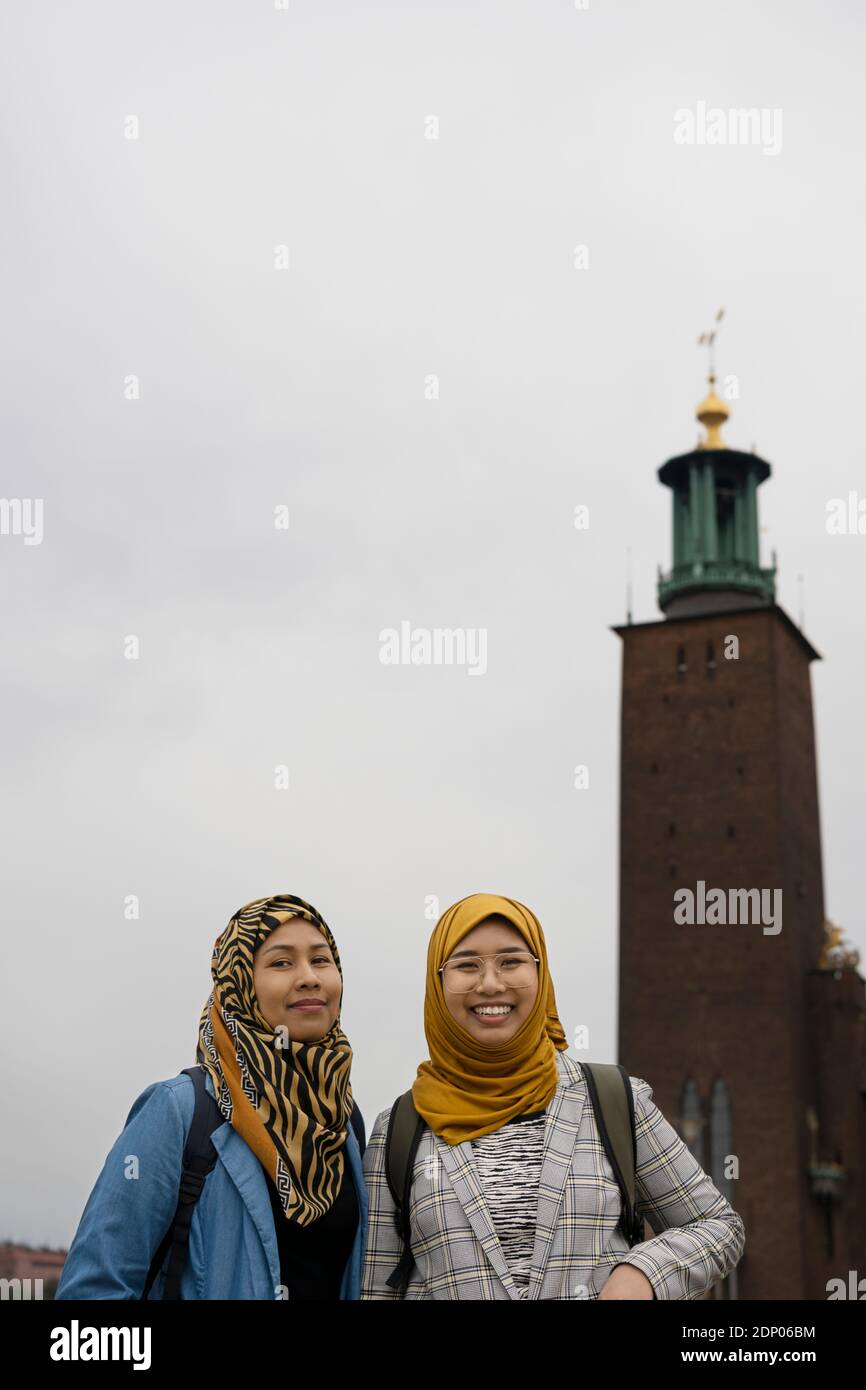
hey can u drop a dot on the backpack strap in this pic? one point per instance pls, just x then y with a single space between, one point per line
357 1124
610 1092
199 1157
405 1127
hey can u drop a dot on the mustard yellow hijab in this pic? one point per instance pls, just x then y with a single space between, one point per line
467 1088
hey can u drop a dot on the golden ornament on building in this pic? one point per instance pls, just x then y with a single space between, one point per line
835 954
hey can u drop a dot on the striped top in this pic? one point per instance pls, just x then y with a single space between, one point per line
509 1164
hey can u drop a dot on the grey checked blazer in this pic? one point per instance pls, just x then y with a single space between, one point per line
698 1236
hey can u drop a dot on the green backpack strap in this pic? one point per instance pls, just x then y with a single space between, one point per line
405 1127
610 1094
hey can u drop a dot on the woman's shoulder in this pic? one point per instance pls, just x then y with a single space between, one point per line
169 1100
381 1125
574 1072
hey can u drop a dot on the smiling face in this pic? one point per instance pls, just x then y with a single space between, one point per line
492 935
296 981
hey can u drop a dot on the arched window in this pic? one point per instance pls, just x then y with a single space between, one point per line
720 1138
692 1120
721 1141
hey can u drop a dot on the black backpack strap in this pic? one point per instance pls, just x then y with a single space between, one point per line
199 1157
357 1124
610 1093
405 1127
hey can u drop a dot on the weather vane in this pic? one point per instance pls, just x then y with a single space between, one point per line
708 340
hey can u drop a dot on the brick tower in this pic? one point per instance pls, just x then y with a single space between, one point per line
741 1008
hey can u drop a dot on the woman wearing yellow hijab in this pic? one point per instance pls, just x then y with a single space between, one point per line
492 1048
511 1194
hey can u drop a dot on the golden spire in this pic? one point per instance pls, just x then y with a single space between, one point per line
712 411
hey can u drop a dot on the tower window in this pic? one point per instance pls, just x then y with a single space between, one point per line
726 513
721 1150
692 1120
681 661
711 660
720 1137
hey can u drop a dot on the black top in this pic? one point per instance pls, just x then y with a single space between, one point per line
313 1258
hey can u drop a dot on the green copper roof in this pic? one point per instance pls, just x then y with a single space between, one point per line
714 495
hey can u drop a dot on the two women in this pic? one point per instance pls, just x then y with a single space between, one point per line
283 1212
510 1192
512 1195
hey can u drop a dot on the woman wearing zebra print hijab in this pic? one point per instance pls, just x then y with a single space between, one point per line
283 1210
270 1039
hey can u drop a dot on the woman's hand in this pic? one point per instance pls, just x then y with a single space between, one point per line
627 1282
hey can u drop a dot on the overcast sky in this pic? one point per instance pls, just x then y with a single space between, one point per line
430 170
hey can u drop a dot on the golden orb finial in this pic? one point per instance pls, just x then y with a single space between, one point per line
712 413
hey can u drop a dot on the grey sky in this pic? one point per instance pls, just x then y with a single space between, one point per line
408 257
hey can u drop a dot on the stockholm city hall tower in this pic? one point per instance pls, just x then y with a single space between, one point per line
753 1039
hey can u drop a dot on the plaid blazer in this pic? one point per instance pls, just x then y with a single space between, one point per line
698 1236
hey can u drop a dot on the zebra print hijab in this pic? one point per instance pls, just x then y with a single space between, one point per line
290 1101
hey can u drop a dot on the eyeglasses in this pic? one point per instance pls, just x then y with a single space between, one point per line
517 969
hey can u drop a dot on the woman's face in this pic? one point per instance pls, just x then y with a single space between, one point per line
296 981
513 1006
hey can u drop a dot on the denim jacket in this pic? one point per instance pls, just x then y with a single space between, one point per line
232 1240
